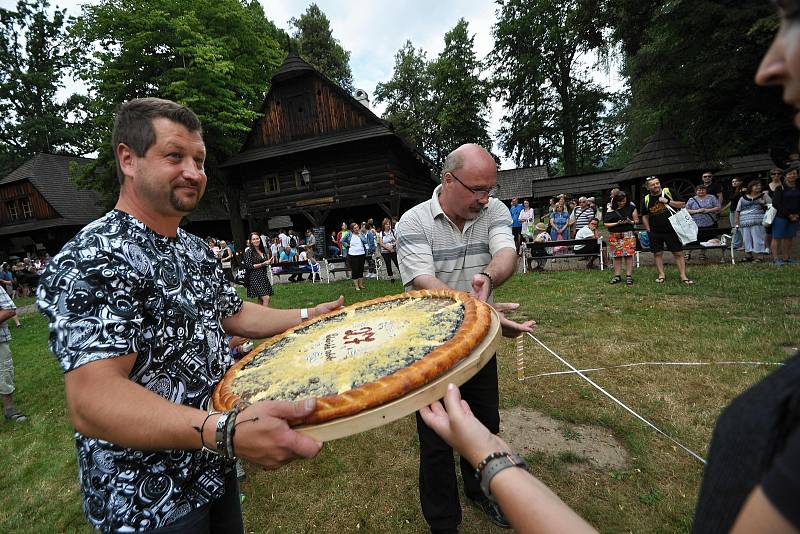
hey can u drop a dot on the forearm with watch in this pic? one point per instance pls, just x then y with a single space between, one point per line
529 504
502 266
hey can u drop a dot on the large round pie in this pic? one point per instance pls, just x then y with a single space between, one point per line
360 356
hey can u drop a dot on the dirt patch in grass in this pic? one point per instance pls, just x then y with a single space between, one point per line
528 432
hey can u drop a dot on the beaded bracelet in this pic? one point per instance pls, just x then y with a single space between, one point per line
486 460
491 280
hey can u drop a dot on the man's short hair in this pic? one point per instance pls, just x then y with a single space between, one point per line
453 161
650 179
133 125
594 219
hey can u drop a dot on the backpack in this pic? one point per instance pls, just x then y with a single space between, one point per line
664 191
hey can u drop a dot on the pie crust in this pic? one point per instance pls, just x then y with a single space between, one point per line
472 329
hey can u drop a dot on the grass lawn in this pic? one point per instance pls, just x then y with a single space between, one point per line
368 482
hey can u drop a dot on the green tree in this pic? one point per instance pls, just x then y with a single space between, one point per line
690 67
539 45
408 98
215 56
315 42
35 58
460 96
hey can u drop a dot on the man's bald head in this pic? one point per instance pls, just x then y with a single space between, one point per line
470 154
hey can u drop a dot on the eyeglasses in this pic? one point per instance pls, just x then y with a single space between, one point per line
478 193
774 174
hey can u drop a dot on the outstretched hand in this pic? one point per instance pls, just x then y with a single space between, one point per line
326 307
263 435
511 328
460 429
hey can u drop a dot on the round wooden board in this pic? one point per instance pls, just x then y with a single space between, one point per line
414 400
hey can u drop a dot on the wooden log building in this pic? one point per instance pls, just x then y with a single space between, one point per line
41 208
321 157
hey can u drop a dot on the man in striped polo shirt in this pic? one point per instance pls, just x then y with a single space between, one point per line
460 238
582 214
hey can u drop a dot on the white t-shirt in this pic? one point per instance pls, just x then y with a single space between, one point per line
356 246
584 233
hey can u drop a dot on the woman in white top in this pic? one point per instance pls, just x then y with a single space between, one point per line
388 245
357 253
527 218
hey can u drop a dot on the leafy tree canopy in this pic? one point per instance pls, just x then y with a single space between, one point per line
408 97
460 96
539 48
35 58
441 104
215 56
690 67
315 42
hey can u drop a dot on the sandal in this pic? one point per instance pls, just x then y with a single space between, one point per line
628 280
660 280
615 280
687 281
15 416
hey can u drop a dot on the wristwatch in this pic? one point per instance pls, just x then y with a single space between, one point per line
493 464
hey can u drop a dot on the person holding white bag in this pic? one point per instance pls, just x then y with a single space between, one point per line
655 217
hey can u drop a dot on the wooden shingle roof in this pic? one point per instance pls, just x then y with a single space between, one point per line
748 164
661 155
50 175
267 152
575 184
519 182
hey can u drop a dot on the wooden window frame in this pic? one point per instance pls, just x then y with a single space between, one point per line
274 180
27 209
13 211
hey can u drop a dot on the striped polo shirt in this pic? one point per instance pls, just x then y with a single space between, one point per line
429 243
583 216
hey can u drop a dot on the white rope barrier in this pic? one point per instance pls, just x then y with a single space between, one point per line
625 365
616 400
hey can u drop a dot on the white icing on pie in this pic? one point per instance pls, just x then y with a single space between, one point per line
349 349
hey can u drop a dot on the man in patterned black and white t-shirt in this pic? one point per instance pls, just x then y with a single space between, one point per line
138 311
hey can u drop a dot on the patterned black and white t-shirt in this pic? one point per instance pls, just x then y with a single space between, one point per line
119 287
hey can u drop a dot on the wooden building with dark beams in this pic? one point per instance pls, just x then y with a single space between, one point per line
41 208
320 156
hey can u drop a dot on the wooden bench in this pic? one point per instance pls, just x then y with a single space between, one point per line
339 265
703 235
537 250
292 267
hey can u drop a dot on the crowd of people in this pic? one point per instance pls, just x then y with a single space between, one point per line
756 233
296 254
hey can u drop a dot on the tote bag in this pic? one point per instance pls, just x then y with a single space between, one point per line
769 216
683 224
